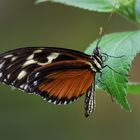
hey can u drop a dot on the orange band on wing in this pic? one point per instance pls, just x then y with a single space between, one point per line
68 83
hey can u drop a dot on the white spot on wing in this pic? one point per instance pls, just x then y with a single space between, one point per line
8 56
54 102
21 75
49 101
29 62
30 57
36 74
13 58
35 83
1 65
8 76
65 102
9 67
1 74
26 86
59 103
22 86
13 83
37 51
50 58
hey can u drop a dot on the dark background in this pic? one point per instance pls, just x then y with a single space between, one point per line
24 116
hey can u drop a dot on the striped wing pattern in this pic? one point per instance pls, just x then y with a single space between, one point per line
58 75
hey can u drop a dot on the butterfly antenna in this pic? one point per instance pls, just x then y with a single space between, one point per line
100 36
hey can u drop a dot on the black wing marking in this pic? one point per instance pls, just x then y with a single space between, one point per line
16 65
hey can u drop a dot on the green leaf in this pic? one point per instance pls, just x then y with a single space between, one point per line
94 5
127 8
126 44
130 9
137 10
134 88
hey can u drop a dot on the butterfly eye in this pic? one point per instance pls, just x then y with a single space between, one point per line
96 51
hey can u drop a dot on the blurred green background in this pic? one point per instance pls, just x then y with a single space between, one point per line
24 116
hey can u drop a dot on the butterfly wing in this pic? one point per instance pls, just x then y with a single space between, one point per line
62 82
16 65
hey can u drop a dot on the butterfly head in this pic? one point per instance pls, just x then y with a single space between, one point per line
97 52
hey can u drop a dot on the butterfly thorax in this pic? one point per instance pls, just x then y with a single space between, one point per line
96 60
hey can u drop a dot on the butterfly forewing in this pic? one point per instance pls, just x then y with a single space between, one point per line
44 71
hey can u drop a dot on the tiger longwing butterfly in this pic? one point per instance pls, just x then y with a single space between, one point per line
58 75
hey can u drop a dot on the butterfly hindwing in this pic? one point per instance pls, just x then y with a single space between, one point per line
61 82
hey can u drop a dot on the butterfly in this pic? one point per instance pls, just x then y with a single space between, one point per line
59 75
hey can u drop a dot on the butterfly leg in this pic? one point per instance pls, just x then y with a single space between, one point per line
89 100
115 70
